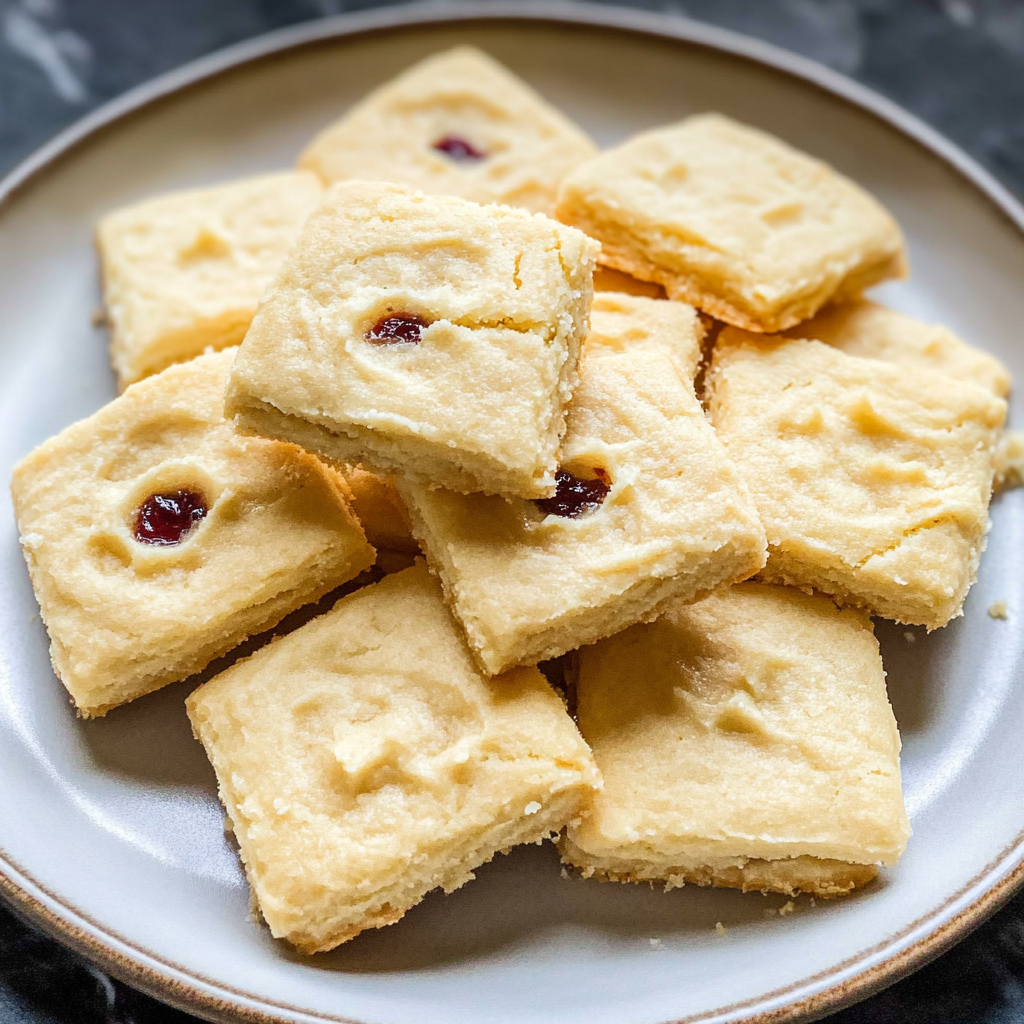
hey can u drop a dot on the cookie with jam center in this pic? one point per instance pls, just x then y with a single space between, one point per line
158 539
649 508
424 335
458 123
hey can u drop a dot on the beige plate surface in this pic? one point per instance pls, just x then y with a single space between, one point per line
110 832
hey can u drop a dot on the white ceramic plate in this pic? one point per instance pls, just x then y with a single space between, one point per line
110 831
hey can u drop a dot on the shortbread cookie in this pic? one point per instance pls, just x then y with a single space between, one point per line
649 508
423 334
872 480
184 272
866 329
397 768
157 538
607 279
745 741
620 322
457 124
734 221
380 511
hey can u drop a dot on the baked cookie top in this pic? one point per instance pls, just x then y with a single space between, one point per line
649 506
157 538
733 221
867 329
458 123
397 766
621 322
184 272
424 334
751 724
872 480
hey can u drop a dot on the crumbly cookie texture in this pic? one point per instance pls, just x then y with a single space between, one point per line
620 322
744 741
867 329
183 273
397 769
460 124
733 221
676 522
872 480
127 617
495 302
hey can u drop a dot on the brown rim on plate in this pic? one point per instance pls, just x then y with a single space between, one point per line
855 978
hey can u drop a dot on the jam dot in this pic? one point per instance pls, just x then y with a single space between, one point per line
574 497
166 519
397 329
459 149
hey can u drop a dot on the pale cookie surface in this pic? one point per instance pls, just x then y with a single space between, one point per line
732 220
745 740
620 322
397 767
126 617
460 124
184 272
867 329
872 480
494 305
676 522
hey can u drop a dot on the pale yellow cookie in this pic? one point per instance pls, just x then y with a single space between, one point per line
621 322
184 272
460 124
422 334
866 329
744 741
380 511
608 279
397 767
650 508
730 219
872 480
267 528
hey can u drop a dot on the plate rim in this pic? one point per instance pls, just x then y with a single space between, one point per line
215 1001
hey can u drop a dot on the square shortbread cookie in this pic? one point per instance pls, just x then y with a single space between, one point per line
732 220
649 508
157 538
397 767
460 124
866 329
184 272
745 741
620 322
872 480
423 334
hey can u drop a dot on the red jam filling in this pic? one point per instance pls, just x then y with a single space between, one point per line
166 519
397 329
459 149
574 497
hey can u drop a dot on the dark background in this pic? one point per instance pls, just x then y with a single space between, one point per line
959 64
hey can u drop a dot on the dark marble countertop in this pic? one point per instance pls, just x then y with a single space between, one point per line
958 64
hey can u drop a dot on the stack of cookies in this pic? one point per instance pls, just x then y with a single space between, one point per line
624 416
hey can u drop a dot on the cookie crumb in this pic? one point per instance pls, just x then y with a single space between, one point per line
655 943
998 610
531 808
787 908
721 929
565 874
909 637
